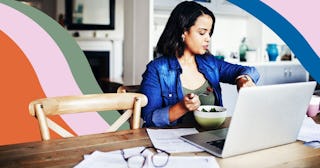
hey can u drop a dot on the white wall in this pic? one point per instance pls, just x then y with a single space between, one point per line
60 7
260 36
137 43
228 32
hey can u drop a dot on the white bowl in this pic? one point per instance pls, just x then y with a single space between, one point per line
210 120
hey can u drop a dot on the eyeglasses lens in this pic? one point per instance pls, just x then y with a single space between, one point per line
160 159
136 161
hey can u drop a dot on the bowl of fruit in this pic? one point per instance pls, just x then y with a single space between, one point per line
209 116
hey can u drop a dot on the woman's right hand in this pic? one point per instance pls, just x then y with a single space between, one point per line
191 102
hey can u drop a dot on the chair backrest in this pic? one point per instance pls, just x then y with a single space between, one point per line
131 102
129 89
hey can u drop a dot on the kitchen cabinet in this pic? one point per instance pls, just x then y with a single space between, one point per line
270 73
281 72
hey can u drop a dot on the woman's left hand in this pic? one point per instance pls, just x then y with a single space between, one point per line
244 81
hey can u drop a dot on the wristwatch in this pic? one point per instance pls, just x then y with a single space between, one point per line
245 77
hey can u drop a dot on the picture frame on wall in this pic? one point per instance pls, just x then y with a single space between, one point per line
90 14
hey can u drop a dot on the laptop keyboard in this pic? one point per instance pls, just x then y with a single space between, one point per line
217 143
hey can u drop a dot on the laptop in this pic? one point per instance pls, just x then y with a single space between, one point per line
264 117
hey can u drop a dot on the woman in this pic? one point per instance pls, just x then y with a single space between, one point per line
174 81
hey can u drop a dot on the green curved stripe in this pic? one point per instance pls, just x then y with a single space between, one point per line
75 57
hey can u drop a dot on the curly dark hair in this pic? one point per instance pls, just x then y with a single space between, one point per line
183 16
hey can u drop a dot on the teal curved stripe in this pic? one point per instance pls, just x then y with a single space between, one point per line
286 31
75 57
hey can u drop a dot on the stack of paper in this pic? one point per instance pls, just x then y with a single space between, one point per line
107 159
310 133
114 159
168 139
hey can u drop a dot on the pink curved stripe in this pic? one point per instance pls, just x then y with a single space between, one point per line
303 16
49 64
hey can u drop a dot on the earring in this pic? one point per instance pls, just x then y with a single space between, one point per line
182 36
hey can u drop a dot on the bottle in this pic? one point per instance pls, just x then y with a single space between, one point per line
243 49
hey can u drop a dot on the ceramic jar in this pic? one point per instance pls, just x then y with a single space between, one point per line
272 51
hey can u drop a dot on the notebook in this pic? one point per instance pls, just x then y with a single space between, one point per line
264 117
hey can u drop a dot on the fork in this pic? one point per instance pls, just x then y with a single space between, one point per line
201 94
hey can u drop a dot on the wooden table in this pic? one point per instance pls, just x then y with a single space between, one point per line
68 152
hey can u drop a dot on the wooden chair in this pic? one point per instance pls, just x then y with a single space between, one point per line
131 102
129 89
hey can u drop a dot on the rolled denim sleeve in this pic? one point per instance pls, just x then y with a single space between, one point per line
229 72
254 74
160 117
153 113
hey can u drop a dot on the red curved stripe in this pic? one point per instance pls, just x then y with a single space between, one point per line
19 86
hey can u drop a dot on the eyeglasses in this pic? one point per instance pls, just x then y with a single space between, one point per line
158 159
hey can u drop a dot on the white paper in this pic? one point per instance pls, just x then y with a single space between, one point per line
114 159
168 139
100 159
309 131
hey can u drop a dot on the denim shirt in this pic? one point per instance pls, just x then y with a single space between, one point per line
161 84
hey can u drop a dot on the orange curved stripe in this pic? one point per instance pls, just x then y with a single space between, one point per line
19 86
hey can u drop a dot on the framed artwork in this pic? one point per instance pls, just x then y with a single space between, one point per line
90 14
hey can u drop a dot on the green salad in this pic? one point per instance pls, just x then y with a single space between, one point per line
211 110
